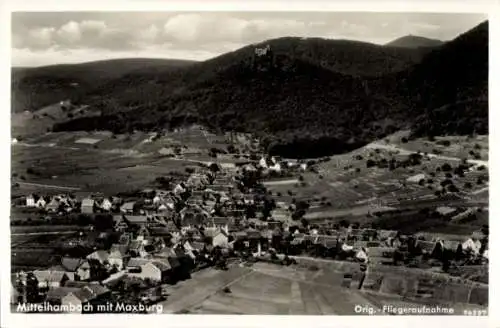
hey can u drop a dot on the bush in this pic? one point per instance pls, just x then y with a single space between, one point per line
404 140
370 163
445 143
446 167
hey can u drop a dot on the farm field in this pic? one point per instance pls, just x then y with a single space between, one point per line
262 289
62 170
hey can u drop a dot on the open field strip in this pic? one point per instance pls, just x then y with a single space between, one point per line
280 182
48 186
43 233
408 152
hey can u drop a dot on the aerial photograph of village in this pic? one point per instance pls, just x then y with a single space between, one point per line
279 163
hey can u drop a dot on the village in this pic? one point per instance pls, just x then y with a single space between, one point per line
130 248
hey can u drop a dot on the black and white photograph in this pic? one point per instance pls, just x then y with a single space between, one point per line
249 163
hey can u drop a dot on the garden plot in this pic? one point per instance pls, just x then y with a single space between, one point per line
287 182
87 141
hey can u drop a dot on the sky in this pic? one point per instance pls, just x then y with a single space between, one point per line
46 38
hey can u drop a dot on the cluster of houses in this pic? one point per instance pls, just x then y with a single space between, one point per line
165 235
69 203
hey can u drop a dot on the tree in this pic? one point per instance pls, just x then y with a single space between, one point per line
446 167
344 224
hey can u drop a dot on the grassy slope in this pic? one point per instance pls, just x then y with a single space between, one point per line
40 86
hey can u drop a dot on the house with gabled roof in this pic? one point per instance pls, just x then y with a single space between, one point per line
93 293
88 205
41 203
153 269
128 208
30 201
118 256
101 256
137 249
56 295
50 279
427 247
72 267
139 220
54 204
107 205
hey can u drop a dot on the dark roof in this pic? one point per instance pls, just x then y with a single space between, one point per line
135 245
91 291
55 294
71 263
137 218
251 233
75 284
240 234
162 264
137 262
427 246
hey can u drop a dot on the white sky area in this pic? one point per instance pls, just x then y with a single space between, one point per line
45 38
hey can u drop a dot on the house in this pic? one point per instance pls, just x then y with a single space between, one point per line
56 295
427 247
157 200
137 249
193 215
450 245
84 271
361 255
70 266
127 208
118 255
93 294
30 201
100 256
88 206
50 279
155 270
326 241
221 222
106 205
54 204
179 189
471 246
386 234
220 239
41 203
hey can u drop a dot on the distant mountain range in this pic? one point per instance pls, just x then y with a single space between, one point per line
304 97
413 42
